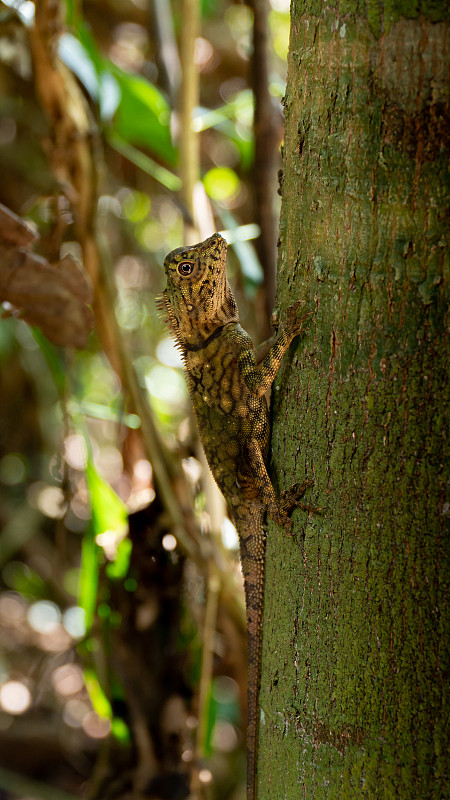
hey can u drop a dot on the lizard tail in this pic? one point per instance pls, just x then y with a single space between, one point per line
248 523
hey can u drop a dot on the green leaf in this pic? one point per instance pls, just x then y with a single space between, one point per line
77 57
99 700
109 515
100 411
143 115
87 597
109 512
136 110
246 253
146 164
55 359
120 730
118 568
209 721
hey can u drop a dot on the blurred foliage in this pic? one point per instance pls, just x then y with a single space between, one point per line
72 465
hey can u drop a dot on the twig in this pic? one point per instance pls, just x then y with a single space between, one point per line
166 47
209 630
267 133
189 94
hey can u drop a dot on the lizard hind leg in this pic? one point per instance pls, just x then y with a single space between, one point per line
264 486
278 510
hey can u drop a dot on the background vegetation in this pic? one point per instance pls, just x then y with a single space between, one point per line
106 690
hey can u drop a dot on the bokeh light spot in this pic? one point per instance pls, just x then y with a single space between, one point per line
96 727
74 621
74 712
169 542
44 616
205 776
75 451
12 469
15 697
49 500
68 679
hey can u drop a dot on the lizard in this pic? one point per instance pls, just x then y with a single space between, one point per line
227 388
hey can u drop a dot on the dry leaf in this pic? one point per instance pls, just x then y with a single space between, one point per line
53 297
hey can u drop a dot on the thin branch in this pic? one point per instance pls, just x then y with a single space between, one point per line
209 630
189 99
268 126
166 47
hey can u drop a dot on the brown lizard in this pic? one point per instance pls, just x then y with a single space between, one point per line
227 388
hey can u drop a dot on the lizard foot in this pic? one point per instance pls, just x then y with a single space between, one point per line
291 498
281 517
294 322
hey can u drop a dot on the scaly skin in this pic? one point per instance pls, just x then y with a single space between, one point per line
227 388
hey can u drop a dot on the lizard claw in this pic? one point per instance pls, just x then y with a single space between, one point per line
290 498
294 323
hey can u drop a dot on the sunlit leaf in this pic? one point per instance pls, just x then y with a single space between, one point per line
109 514
87 597
118 568
76 57
23 10
100 702
120 730
109 95
239 107
248 260
84 59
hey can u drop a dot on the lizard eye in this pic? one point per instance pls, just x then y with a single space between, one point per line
185 268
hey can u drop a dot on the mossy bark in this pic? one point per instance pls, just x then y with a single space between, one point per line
354 700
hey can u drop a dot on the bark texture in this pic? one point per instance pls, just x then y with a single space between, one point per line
354 699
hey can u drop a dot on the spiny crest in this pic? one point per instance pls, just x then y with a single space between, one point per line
198 298
165 312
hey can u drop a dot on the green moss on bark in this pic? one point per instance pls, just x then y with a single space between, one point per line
354 695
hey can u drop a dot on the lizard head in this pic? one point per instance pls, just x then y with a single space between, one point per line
198 298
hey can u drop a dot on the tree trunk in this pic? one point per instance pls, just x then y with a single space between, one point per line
353 691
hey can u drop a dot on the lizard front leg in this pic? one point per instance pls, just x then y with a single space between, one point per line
259 377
